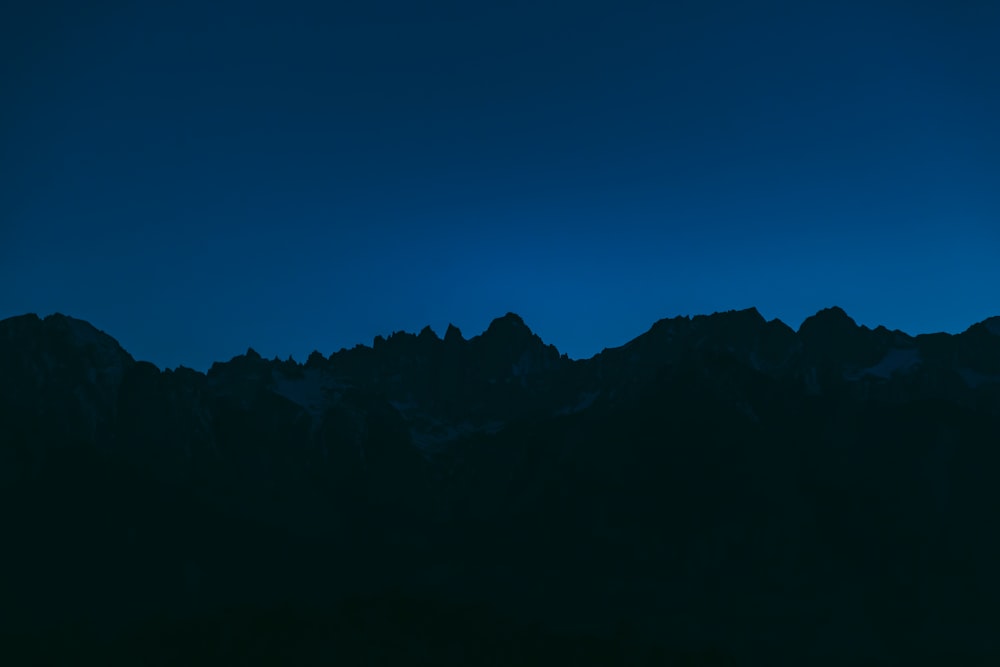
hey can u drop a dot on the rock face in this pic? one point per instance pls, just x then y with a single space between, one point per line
720 490
60 378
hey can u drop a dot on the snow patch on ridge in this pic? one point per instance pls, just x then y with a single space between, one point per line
975 379
430 438
310 391
523 366
585 400
896 360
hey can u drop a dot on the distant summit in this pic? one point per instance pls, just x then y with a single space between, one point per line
453 335
991 325
509 322
828 323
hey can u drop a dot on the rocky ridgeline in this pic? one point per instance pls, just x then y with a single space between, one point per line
62 373
716 486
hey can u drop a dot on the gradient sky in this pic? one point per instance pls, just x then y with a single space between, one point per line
196 178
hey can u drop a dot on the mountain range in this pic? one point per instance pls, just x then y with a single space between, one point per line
721 490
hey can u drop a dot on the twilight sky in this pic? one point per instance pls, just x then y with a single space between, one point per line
196 178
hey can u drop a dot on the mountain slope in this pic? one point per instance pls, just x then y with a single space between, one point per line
720 490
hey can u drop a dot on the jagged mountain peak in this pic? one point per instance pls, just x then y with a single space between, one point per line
510 321
453 334
833 318
68 336
315 360
748 314
992 325
832 337
79 332
509 330
20 326
736 322
67 333
249 363
828 326
509 348
63 364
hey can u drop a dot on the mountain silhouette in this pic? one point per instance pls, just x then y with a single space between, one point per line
720 490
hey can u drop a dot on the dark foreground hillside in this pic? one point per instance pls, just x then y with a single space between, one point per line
722 490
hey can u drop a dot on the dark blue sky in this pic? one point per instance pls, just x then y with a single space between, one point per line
198 177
